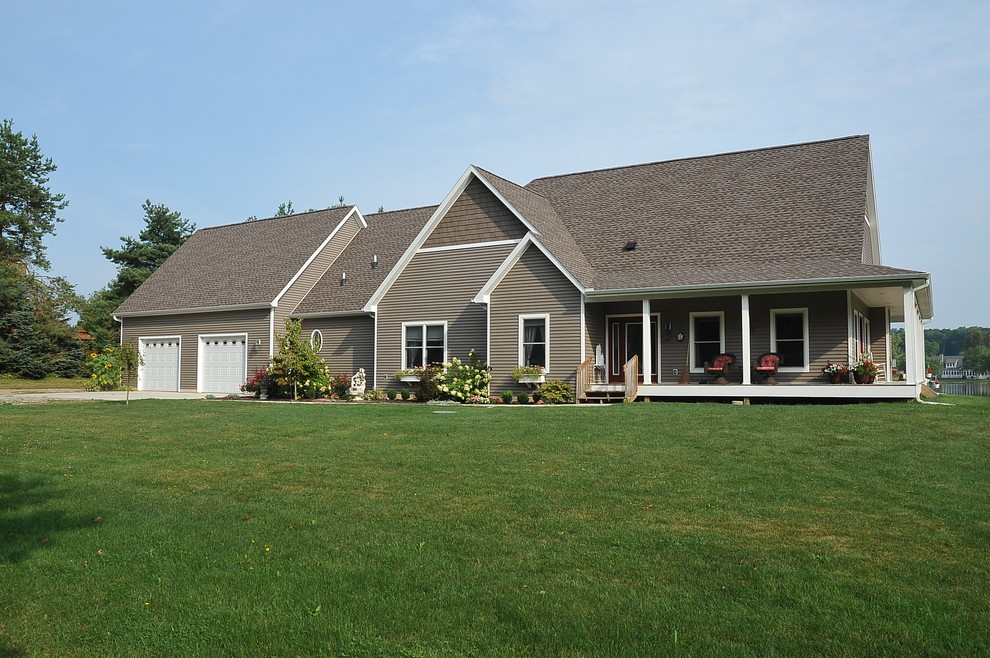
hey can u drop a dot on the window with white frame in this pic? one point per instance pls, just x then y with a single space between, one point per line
707 338
861 333
789 338
423 343
534 340
316 340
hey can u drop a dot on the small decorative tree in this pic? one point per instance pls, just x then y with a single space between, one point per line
297 363
128 360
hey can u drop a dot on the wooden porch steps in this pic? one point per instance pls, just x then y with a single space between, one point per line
602 397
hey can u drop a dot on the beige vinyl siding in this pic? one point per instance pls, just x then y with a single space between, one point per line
437 287
301 286
674 353
535 286
476 216
348 342
828 329
189 326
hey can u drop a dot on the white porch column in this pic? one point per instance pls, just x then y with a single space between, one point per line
646 367
912 367
747 357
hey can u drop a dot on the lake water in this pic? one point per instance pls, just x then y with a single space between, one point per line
966 388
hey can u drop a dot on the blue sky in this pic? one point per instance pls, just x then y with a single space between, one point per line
223 109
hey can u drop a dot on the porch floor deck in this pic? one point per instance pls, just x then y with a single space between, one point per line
876 391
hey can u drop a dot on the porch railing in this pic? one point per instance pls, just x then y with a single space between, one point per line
631 373
584 374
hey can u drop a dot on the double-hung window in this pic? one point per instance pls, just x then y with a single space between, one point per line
789 338
534 340
707 338
424 343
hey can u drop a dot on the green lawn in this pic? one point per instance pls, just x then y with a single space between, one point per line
18 384
216 528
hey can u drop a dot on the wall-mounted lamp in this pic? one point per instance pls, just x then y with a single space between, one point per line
374 261
343 277
680 336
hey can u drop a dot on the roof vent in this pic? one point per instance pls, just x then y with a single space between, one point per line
630 246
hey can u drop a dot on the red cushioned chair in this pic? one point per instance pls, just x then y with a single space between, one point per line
767 366
720 366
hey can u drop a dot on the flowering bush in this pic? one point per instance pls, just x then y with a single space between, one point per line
833 368
527 371
256 382
105 373
463 381
478 399
340 387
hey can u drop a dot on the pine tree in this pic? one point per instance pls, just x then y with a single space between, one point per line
28 209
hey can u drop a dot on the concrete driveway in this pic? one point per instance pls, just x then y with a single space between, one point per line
36 397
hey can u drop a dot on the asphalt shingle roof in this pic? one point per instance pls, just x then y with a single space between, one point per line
387 236
235 264
720 218
788 213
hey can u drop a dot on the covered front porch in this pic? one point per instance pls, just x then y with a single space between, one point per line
807 327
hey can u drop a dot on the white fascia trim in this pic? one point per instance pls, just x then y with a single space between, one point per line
484 295
199 309
756 287
470 173
472 245
871 209
361 222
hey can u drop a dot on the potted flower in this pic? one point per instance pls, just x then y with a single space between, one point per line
408 374
529 374
835 371
864 370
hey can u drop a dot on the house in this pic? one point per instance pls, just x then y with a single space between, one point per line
627 279
952 368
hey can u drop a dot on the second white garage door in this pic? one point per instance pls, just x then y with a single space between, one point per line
222 363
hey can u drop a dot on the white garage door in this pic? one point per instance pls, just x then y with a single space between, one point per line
223 363
160 371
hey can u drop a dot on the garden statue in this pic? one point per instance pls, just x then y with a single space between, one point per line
358 385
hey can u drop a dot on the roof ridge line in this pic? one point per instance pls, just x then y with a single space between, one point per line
349 207
695 157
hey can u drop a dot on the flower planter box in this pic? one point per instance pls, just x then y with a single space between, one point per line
409 378
532 380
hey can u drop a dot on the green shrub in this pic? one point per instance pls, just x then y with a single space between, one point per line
554 391
522 398
391 394
428 386
375 395
406 394
507 397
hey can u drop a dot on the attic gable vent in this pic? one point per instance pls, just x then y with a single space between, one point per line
630 246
